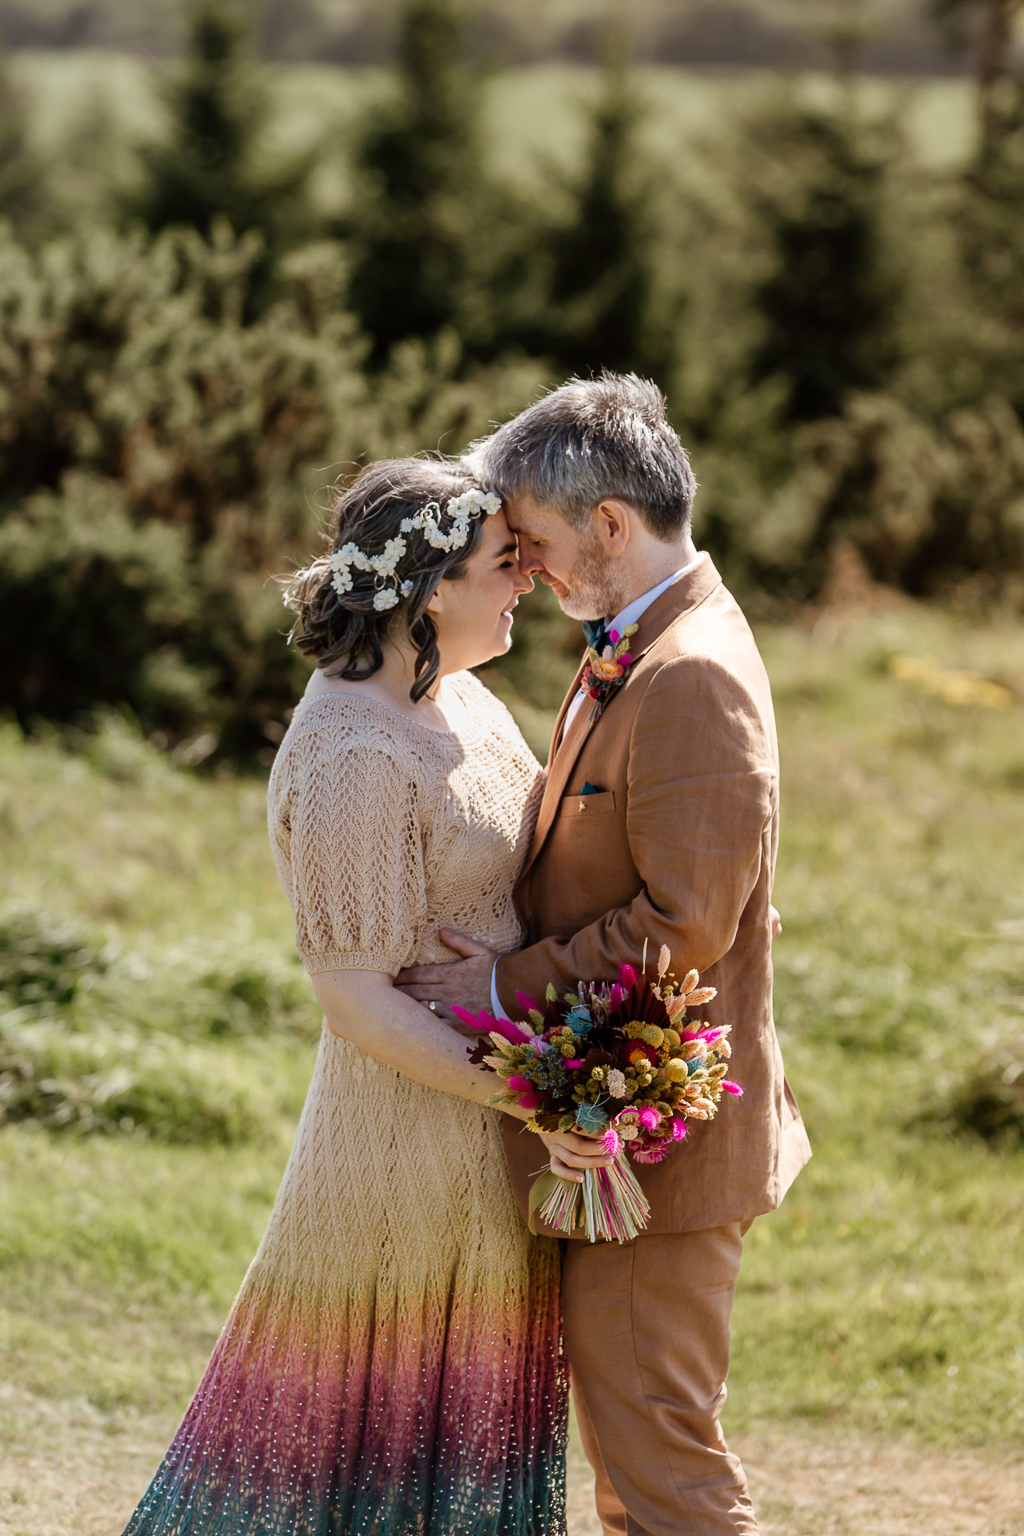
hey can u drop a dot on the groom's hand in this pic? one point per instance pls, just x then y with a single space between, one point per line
572 1154
464 983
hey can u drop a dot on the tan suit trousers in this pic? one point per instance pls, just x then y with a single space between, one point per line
647 1335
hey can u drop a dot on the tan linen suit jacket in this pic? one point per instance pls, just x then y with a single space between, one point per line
677 848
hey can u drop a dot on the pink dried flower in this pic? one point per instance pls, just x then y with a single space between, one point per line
731 1087
651 1154
484 1024
520 1084
649 1117
627 976
526 1003
611 1143
679 1130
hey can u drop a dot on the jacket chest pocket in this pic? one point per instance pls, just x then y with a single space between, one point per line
583 807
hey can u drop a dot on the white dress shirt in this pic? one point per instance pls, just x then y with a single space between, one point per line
629 615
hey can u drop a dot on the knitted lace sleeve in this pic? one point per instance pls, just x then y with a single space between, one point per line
358 885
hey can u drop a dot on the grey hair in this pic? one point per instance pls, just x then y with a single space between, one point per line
590 439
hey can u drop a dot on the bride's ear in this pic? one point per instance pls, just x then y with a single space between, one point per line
436 605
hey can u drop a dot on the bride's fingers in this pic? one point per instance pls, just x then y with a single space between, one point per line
563 1171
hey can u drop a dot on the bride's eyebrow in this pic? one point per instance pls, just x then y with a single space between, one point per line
508 549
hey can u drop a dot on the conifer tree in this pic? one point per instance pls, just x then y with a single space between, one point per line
827 307
210 167
602 255
417 211
22 194
992 222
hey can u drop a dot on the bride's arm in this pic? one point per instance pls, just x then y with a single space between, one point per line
364 1007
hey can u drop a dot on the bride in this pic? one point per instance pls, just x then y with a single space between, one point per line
392 1363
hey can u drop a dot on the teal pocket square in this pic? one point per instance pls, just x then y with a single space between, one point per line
590 789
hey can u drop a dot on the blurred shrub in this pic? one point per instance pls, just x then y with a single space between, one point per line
93 606
990 1100
147 1042
158 455
121 1082
927 506
44 959
210 991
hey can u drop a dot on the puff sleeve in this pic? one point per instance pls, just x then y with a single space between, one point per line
355 876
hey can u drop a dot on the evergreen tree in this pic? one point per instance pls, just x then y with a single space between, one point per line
602 256
992 222
418 209
827 308
210 167
22 193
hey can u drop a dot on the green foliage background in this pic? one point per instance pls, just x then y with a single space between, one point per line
239 281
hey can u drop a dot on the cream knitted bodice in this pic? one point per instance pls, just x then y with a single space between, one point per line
384 831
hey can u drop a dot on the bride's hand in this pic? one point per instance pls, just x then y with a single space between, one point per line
572 1154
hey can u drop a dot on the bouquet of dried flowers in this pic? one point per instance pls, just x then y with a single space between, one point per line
619 1061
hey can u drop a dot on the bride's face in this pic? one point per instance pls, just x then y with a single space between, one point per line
474 614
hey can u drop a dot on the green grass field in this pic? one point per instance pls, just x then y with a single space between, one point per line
887 1295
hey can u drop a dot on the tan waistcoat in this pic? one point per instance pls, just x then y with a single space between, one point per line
677 847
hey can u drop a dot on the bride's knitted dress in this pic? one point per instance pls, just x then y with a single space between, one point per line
392 1364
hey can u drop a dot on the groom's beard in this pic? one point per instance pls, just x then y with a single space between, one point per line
593 590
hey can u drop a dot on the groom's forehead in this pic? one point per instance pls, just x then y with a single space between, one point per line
527 516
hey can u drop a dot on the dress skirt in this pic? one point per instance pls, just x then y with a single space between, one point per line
393 1362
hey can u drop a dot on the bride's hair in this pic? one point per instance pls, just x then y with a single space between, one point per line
346 630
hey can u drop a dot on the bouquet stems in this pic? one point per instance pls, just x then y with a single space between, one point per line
609 1204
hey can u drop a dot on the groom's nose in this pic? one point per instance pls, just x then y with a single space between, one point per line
529 563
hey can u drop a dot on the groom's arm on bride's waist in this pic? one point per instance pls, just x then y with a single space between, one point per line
701 799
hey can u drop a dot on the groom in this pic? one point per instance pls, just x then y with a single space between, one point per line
659 823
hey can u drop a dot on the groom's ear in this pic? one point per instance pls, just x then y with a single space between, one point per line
613 524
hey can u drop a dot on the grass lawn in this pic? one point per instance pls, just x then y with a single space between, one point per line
885 1298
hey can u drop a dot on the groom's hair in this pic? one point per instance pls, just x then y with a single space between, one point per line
593 438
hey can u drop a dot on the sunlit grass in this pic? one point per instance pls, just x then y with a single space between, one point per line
887 1292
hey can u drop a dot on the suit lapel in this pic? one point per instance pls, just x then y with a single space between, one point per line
560 765
681 598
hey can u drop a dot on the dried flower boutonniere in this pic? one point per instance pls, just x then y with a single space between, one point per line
606 669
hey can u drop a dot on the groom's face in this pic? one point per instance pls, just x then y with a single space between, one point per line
568 560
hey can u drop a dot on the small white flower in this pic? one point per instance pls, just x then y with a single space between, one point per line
616 1084
406 588
473 503
386 598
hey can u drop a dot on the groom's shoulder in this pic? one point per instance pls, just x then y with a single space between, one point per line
706 662
715 631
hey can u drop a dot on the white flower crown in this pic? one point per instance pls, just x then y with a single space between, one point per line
462 510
